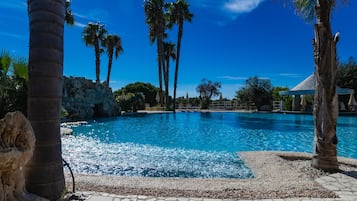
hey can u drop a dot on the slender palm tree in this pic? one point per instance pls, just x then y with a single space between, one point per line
156 21
94 35
44 173
326 100
113 46
178 13
169 52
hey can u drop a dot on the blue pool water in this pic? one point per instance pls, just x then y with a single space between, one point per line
192 144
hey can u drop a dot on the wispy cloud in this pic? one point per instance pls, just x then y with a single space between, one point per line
225 11
291 75
14 4
95 15
241 6
12 35
92 15
228 77
79 24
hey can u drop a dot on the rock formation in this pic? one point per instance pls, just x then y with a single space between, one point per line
84 99
17 142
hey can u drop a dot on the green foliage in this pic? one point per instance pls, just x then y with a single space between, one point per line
13 84
20 68
132 102
257 91
347 78
69 18
149 91
5 62
286 99
347 74
208 89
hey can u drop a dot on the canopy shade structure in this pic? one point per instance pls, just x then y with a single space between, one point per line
308 86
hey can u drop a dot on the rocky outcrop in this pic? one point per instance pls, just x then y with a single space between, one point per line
17 142
84 99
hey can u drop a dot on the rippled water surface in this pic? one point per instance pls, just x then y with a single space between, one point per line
192 144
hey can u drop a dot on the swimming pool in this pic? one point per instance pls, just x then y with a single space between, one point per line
194 144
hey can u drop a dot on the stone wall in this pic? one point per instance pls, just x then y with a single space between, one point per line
84 99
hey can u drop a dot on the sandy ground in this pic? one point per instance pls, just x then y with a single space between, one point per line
277 175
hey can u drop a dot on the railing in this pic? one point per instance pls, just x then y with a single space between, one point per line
278 105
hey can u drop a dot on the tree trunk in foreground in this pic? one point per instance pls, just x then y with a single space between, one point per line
326 100
44 172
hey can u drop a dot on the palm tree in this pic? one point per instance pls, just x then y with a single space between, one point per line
93 35
178 13
69 16
156 21
44 172
113 45
326 100
169 52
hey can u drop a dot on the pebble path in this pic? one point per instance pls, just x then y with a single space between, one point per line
343 184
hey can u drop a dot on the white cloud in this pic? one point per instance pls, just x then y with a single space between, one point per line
12 35
93 15
291 75
228 77
80 25
225 11
14 4
241 6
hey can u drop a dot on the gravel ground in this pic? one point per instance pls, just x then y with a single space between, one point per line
277 175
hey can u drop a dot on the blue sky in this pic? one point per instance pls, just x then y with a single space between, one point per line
227 41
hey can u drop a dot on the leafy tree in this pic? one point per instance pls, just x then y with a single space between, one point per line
132 102
5 63
113 44
178 13
154 12
325 101
44 172
147 89
347 74
257 91
94 35
13 84
208 89
286 99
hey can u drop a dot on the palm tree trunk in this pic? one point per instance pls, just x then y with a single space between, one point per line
179 37
326 100
110 61
97 61
160 70
166 75
44 173
160 48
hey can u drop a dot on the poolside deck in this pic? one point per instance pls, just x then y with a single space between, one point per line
310 113
276 179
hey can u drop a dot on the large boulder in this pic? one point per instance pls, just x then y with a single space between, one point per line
84 99
17 142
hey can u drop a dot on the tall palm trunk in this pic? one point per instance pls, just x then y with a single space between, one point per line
326 100
179 37
160 47
97 60
110 61
160 67
44 172
166 76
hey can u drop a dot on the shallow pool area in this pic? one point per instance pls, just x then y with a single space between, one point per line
193 144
